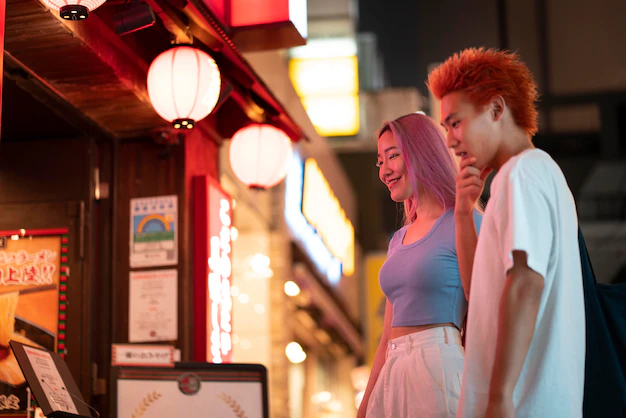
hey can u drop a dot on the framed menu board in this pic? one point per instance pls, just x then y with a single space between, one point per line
34 276
191 390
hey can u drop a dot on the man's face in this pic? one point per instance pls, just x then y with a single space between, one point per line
470 131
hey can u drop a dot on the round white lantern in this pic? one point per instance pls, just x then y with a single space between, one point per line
183 85
74 9
260 155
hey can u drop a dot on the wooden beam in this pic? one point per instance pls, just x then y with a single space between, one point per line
84 63
131 70
44 93
92 69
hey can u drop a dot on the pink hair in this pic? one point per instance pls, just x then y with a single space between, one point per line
428 160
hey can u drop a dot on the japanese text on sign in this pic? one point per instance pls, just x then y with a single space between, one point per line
9 402
21 268
220 270
142 355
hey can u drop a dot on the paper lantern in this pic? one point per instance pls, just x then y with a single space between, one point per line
183 85
73 9
260 155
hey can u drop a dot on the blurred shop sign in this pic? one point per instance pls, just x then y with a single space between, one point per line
317 221
326 77
375 302
263 24
324 212
213 214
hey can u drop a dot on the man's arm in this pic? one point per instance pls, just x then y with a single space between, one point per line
519 305
469 185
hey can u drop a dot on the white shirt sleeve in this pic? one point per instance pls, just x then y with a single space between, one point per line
526 221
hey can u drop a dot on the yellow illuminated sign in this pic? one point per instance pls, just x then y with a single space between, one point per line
333 115
323 211
324 76
329 90
375 302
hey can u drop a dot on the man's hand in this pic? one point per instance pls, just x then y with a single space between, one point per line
470 183
500 407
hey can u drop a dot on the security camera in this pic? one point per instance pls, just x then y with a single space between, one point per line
138 16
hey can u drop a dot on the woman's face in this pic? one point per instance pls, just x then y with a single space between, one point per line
392 168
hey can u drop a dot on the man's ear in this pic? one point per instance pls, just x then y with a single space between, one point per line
497 106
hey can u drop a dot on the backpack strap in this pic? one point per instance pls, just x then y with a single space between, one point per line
585 261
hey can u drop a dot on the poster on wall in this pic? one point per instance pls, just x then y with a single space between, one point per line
153 310
153 231
193 390
33 298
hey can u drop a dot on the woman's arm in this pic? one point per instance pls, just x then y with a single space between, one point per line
379 359
466 239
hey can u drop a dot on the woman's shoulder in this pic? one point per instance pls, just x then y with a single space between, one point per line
397 238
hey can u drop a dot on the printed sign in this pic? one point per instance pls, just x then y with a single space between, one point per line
142 355
153 231
153 306
50 379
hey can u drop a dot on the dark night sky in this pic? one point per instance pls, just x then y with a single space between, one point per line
413 33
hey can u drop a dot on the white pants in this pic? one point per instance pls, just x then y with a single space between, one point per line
421 377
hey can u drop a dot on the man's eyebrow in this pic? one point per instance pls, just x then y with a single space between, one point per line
447 120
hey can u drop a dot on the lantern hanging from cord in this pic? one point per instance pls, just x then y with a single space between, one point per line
73 9
260 155
184 85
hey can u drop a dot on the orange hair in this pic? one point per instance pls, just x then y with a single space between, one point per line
483 74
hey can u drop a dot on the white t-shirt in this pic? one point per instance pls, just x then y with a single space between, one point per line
531 209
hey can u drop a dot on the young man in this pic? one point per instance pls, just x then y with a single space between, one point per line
525 346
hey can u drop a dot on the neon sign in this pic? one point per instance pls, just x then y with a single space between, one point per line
304 233
324 212
212 272
220 269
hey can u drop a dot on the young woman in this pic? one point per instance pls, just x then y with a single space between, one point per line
418 366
